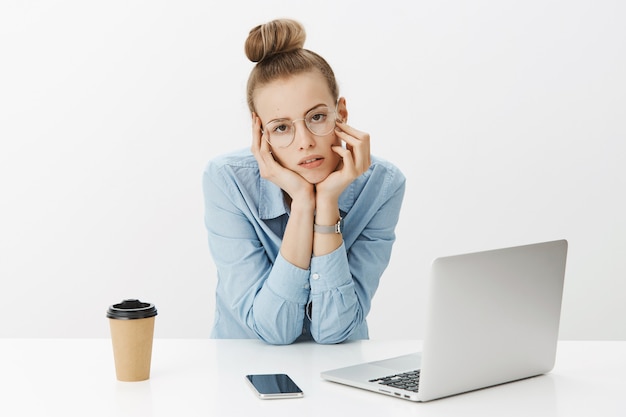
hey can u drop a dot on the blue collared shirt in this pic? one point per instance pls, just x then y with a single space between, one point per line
261 295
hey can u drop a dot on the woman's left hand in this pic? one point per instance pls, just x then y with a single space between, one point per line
356 159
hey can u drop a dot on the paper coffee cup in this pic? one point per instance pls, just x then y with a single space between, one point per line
132 332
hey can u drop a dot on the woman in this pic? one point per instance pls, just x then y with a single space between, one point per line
300 228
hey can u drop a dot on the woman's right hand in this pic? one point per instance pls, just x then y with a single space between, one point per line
289 181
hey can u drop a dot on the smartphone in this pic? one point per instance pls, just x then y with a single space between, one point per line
274 386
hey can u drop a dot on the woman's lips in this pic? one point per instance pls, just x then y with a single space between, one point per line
311 162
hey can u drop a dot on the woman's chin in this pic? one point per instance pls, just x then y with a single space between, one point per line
315 177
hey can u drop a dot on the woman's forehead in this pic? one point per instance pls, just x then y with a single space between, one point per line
292 97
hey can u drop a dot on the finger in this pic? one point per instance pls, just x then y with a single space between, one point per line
256 133
355 133
266 149
341 151
359 146
353 138
346 156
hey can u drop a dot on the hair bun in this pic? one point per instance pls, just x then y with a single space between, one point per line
275 37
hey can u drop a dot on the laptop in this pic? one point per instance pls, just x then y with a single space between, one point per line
492 318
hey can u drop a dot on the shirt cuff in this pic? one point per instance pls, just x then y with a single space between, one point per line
330 271
289 282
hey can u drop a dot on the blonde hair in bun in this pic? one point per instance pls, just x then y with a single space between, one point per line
275 37
277 48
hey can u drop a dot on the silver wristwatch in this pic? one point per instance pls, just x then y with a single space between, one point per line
335 228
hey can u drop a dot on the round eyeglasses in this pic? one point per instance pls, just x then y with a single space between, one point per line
320 121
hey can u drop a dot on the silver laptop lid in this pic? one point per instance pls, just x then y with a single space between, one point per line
494 317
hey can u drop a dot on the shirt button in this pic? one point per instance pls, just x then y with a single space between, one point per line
315 276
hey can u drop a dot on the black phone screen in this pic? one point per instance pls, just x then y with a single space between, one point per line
274 384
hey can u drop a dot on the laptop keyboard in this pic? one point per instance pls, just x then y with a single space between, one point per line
408 381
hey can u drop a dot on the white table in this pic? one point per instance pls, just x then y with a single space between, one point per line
193 377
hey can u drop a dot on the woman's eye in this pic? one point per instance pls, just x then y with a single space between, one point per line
281 128
318 117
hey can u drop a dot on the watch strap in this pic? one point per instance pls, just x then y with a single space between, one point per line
335 228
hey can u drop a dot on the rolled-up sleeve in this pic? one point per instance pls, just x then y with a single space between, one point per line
344 282
256 296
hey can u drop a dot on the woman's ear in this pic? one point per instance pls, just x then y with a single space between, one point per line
342 110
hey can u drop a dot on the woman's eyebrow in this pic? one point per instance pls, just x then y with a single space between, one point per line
315 107
282 119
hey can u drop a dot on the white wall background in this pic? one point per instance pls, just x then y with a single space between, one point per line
507 117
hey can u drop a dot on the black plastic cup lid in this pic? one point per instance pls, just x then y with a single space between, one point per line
131 309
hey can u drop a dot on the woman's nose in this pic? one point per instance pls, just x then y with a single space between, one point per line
303 137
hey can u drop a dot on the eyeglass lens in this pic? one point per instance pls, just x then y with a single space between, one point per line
320 121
